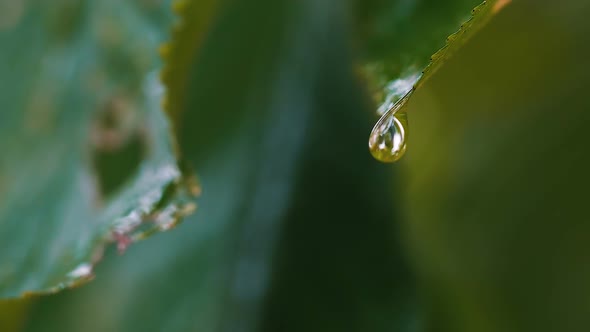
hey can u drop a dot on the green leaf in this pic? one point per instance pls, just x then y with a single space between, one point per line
387 141
398 49
86 157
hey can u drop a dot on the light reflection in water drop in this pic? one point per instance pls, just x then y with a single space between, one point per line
387 142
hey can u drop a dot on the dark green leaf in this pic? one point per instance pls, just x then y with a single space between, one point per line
403 35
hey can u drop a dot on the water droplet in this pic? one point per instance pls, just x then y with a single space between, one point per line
387 142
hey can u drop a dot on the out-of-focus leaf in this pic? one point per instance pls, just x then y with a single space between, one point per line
85 157
278 76
13 314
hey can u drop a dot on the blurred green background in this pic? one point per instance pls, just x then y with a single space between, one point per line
483 226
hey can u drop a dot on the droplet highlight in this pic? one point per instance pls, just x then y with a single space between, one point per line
387 142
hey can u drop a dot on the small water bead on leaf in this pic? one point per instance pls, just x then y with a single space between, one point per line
387 142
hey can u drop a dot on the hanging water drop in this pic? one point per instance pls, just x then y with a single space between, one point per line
387 142
388 139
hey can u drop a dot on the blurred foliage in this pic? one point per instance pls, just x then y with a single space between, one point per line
13 314
299 230
85 151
